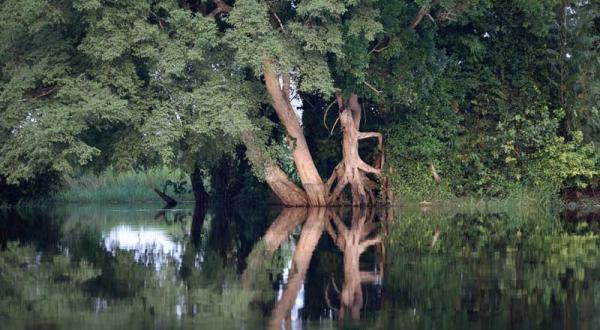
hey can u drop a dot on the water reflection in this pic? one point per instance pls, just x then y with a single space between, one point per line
225 268
352 241
150 245
309 237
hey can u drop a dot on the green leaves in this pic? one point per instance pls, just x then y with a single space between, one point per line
253 37
364 23
49 135
322 9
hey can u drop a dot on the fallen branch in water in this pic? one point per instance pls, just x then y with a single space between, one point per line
171 202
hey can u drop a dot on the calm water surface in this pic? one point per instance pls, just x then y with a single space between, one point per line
137 267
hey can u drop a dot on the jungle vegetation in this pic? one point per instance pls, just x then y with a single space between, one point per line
324 101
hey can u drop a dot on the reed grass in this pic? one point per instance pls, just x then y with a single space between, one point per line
130 186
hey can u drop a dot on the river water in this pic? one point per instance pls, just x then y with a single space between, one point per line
449 267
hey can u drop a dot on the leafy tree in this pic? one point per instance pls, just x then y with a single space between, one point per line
472 89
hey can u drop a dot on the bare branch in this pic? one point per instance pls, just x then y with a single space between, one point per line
368 168
327 298
366 135
279 21
375 49
325 115
365 244
43 92
334 124
369 277
424 11
372 88
335 287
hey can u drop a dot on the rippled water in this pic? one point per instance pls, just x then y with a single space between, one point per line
136 266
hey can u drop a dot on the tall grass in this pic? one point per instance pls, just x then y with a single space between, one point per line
121 187
518 195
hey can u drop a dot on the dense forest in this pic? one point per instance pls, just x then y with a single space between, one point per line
324 102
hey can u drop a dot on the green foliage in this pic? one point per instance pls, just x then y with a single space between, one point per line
128 84
491 93
565 164
43 288
498 125
75 280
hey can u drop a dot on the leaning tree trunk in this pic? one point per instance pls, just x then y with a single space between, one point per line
276 179
352 170
171 202
307 171
288 192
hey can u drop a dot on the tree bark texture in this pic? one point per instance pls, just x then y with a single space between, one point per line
307 171
352 170
286 190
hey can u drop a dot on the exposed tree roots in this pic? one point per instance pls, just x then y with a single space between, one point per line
352 170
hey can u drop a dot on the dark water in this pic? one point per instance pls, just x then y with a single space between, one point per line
134 267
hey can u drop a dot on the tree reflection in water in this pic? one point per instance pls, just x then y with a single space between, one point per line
352 241
464 269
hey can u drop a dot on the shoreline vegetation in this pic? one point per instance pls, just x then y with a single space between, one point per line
132 186
138 187
129 186
112 187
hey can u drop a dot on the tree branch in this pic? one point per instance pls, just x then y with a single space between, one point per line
171 202
43 92
372 88
279 21
365 244
286 85
325 115
424 11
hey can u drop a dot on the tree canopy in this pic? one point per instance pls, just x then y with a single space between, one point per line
484 94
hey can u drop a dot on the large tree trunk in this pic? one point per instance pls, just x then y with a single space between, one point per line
275 177
309 176
200 194
352 170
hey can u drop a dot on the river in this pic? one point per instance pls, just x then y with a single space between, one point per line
112 266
